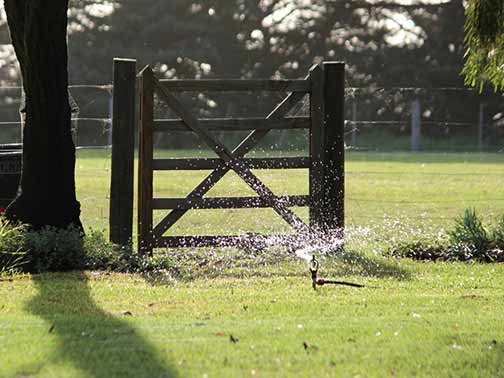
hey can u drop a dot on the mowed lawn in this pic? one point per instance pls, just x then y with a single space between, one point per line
422 320
250 319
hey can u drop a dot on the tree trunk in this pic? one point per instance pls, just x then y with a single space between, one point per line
46 194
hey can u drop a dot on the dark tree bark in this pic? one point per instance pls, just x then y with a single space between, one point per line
47 190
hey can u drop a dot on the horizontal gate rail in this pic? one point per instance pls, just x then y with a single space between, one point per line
248 240
226 202
210 164
235 124
236 85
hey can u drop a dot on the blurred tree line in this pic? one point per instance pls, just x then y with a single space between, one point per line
386 44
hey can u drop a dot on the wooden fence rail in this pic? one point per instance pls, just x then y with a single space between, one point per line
324 84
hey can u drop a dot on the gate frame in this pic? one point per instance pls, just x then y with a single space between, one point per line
326 86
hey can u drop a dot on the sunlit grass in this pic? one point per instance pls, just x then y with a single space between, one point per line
441 320
428 189
233 314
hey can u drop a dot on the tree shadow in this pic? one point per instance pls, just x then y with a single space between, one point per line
89 338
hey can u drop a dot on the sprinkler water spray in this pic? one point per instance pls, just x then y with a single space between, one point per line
314 268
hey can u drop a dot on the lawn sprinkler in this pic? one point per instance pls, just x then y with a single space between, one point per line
314 268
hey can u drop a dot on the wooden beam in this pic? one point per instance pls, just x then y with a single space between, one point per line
251 241
211 164
334 146
235 124
225 202
123 151
236 85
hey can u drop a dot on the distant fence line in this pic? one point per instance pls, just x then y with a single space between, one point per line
414 122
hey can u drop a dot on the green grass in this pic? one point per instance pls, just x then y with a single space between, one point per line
412 319
425 320
418 190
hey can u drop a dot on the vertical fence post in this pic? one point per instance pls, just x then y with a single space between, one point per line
334 146
416 125
481 126
317 147
354 119
123 148
146 155
111 112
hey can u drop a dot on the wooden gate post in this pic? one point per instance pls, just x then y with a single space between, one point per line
327 147
334 146
146 156
123 149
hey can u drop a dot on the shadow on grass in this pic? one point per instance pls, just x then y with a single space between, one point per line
193 266
354 263
91 340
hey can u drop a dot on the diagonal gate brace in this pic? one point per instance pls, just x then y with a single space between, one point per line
232 161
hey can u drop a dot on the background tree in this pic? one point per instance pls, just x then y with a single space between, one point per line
485 43
38 31
385 44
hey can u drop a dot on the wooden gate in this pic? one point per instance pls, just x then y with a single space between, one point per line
324 84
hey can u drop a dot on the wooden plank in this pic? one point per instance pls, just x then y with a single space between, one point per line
123 152
235 124
317 151
334 146
241 150
221 150
12 146
251 241
236 85
225 202
146 154
211 164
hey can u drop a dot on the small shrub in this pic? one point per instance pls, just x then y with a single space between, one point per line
469 240
54 250
12 255
51 250
470 235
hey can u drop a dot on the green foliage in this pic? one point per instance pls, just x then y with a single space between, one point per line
253 39
469 240
11 253
498 234
56 250
484 41
100 254
469 230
